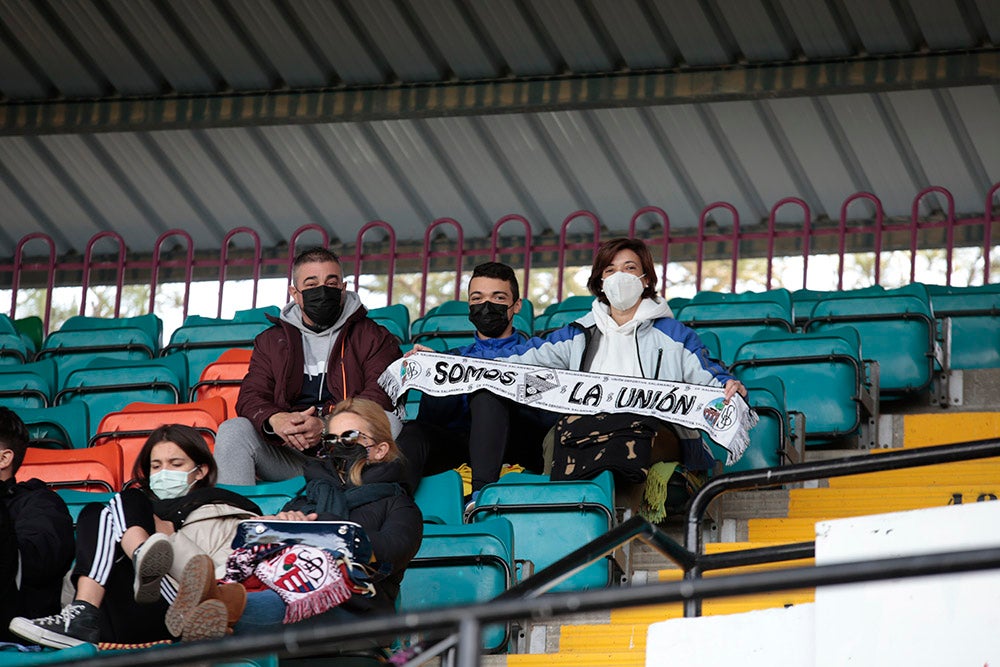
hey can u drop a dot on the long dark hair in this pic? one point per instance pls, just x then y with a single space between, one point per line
606 254
191 443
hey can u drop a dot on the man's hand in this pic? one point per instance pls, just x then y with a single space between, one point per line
298 430
417 347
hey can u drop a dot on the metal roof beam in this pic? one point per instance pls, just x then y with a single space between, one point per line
525 95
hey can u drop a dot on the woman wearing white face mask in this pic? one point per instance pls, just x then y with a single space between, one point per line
631 331
130 553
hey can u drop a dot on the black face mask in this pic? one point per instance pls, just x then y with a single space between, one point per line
490 319
322 305
342 452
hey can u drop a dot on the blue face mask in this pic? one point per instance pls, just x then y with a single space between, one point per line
169 484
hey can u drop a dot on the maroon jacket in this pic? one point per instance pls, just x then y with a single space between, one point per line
274 378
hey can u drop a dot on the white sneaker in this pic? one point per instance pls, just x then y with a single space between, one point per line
151 562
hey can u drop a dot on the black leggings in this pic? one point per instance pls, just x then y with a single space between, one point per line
99 556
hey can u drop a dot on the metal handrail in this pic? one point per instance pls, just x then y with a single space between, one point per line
802 472
303 640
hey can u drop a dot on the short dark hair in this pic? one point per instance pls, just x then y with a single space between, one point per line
13 436
498 271
606 254
312 254
191 443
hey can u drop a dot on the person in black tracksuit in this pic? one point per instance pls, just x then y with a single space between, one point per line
36 534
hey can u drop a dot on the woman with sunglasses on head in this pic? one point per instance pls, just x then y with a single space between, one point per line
357 476
130 552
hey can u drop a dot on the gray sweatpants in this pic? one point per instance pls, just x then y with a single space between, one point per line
244 456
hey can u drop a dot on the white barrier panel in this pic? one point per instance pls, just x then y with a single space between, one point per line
946 620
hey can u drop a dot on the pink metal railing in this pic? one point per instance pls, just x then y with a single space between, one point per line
89 264
526 246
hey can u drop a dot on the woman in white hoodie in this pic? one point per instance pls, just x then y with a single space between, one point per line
631 331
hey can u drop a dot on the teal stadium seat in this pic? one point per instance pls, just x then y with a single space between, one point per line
59 426
736 317
107 385
563 312
975 323
30 385
552 519
897 329
202 342
462 564
804 300
15 347
10 657
76 500
771 438
82 338
439 498
395 318
824 375
271 497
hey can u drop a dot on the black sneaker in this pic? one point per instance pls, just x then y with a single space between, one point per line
77 623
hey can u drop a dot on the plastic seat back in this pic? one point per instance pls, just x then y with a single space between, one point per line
89 468
108 385
31 385
130 427
736 317
766 395
462 564
203 343
59 426
32 328
75 348
897 329
395 318
76 500
222 378
552 519
439 498
271 497
975 323
15 347
823 374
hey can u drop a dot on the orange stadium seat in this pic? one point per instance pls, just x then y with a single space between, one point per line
130 426
223 378
89 468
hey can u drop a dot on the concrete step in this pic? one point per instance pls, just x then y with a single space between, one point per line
836 503
943 428
941 474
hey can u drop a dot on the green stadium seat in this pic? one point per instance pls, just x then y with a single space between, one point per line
32 328
395 318
203 343
271 497
462 564
804 300
82 338
30 385
67 656
59 426
552 519
897 329
15 347
439 498
770 440
824 375
736 317
451 319
76 500
563 312
975 323
107 385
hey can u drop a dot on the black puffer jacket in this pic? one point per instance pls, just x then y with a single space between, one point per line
43 530
389 516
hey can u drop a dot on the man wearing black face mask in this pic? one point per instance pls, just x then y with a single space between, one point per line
481 429
321 350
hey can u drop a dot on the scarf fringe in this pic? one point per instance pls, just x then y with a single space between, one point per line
738 445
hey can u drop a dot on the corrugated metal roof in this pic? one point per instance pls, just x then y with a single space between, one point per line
544 163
